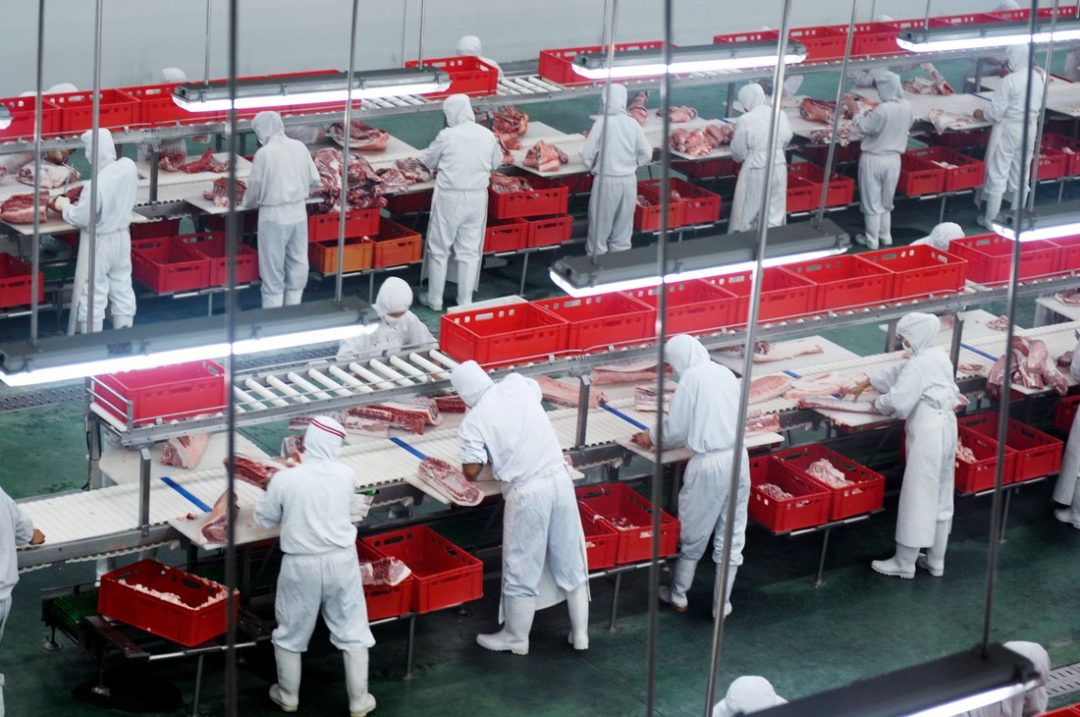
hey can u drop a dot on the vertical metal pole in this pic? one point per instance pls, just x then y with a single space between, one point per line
836 112
344 202
604 37
609 43
96 168
206 58
957 338
144 492
748 366
583 411
926 18
35 239
404 27
420 40
1042 114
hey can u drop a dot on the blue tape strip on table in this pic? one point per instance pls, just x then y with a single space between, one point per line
184 492
980 352
623 416
791 373
402 444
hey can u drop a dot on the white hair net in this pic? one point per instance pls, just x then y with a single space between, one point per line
919 329
395 296
323 439
458 110
684 352
471 382
267 125
746 695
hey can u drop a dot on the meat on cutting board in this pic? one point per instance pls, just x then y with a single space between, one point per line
416 170
185 451
828 403
645 398
362 136
545 157
563 394
19 208
219 193
766 388
627 373
206 163
384 572
449 481
786 350
171 161
450 403
52 175
353 424
216 527
680 114
827 384
253 471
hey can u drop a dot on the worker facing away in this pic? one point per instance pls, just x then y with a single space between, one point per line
16 530
702 417
1006 113
282 178
469 46
1067 489
921 391
885 131
750 145
543 541
398 327
319 570
1026 704
941 236
117 183
465 154
615 148
746 695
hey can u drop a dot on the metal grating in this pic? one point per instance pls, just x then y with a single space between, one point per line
1064 680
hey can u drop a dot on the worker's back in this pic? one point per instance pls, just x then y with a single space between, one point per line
465 161
313 499
120 182
284 168
709 393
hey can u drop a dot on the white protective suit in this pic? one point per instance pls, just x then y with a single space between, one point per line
885 129
118 181
394 333
16 530
465 154
746 695
61 88
750 145
703 418
1031 703
614 192
282 178
1067 489
922 391
941 236
507 427
470 45
1072 65
169 75
1006 112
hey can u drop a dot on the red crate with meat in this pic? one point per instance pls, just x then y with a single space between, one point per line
445 574
385 601
620 508
855 489
783 499
1037 454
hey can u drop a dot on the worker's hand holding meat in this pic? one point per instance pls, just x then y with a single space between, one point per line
643 439
857 390
38 537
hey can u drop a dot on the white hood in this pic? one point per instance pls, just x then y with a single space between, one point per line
751 96
684 352
919 329
471 382
323 439
889 86
173 74
395 296
267 125
106 148
747 695
945 232
1036 698
458 110
469 45
615 101
1017 57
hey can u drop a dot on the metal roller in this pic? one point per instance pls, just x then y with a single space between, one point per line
265 392
350 380
390 373
434 370
329 383
370 377
308 386
287 389
409 369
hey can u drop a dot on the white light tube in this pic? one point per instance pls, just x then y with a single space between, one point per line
623 72
1039 233
277 98
972 702
982 42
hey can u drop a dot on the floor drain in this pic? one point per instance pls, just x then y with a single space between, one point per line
1064 680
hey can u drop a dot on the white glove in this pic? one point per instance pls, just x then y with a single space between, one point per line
59 203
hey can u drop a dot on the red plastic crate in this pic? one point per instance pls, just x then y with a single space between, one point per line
960 140
1037 453
1068 146
557 65
920 271
964 20
546 197
156 229
981 475
1069 258
1053 164
783 294
549 231
409 202
822 43
615 505
601 542
396 245
118 109
167 266
844 281
359 255
15 282
868 493
156 106
600 321
445 574
693 307
468 76
201 617
502 335
808 508
707 168
841 189
745 37
385 601
967 173
168 392
576 183
700 206
819 154
1023 15
1065 412
919 176
22 117
989 258
1073 711
248 222
505 235
873 38
803 195
358 223
647 219
212 246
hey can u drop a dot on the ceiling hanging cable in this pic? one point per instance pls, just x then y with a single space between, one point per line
607 45
35 238
343 204
834 137
1034 180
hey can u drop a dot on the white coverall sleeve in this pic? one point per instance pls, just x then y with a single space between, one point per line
1074 366
786 133
431 156
677 422
1000 101
739 147
882 379
78 214
418 334
254 182
354 347
473 448
24 526
314 180
496 155
644 150
904 394
268 511
870 124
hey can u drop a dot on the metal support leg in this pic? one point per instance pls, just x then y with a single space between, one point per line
1005 515
93 444
524 272
245 576
615 602
676 486
957 337
154 171
890 336
371 288
49 643
583 411
198 687
821 562
941 212
144 492
410 648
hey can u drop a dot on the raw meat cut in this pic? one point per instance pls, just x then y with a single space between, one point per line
393 180
353 424
414 169
935 85
786 350
451 403
774 491
944 121
384 572
680 114
845 134
626 373
638 107
1001 323
1032 367
814 110
185 451
828 403
362 136
365 184
292 447
563 394
720 134
214 592
701 142
828 384
504 184
545 157
411 416
52 175
645 398
507 158
171 161
424 408
253 471
1065 359
19 208
1037 356
643 201
824 471
766 388
449 481
965 454
1070 297
970 368
507 123
215 530
863 106
763 423
206 163
219 194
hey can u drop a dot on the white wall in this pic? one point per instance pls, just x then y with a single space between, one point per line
142 36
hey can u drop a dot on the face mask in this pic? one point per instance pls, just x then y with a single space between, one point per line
392 320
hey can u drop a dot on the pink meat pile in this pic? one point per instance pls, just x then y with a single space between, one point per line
214 593
563 394
701 142
507 123
52 175
505 184
643 201
362 136
19 208
845 134
545 157
219 193
449 481
774 491
766 388
171 161
680 114
365 184
185 451
638 107
944 121
936 84
174 162
814 110
964 454
1001 323
825 472
1070 297
384 572
1032 367
216 526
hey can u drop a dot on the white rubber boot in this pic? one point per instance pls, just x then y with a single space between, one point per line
885 230
361 702
286 693
293 296
934 559
467 273
901 565
123 322
272 301
514 637
869 238
436 283
577 602
682 577
732 570
1066 515
993 208
1 696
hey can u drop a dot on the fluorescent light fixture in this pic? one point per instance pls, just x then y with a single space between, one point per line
685 60
5 117
330 88
699 258
981 37
1055 222
155 345
973 702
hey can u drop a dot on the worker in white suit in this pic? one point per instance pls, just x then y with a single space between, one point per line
464 156
921 391
1006 112
16 531
885 131
746 695
941 236
702 418
1026 704
750 145
282 177
319 571
117 183
398 327
169 75
61 88
506 427
621 140
1067 489
469 46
